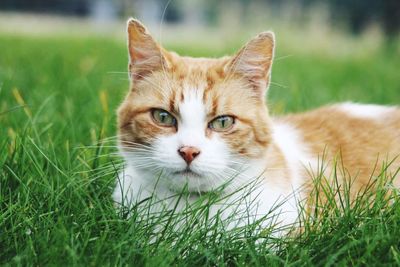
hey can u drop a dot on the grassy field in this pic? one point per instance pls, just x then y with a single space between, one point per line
58 98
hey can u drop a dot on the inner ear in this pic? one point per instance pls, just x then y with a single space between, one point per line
254 61
145 54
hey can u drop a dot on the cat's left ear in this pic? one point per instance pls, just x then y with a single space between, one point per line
145 54
254 61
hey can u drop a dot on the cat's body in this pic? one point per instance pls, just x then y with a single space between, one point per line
202 123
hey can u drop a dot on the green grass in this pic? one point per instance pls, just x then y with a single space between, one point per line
57 100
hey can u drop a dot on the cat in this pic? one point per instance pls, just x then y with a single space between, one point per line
201 123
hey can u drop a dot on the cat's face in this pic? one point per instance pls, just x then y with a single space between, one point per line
194 122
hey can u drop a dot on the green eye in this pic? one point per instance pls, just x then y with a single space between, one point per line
163 117
222 123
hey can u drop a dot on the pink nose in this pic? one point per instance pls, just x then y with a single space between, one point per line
188 153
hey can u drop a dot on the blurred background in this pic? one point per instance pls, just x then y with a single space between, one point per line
354 15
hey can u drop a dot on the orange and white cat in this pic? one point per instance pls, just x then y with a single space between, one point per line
201 123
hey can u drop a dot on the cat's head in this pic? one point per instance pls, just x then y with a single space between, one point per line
194 121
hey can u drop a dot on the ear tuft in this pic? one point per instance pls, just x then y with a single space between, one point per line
253 62
268 35
134 24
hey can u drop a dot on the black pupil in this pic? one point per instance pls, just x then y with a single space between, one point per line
163 116
223 122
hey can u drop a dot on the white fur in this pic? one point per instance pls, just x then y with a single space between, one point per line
365 111
215 166
299 161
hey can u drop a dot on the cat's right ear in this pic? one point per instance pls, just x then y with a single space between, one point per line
145 55
253 62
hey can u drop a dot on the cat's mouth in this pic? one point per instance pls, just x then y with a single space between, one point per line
187 173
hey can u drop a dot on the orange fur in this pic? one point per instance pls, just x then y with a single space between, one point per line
361 146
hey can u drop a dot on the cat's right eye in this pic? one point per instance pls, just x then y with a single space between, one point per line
163 118
222 123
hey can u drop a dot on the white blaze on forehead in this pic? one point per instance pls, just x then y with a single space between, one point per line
365 111
192 110
192 118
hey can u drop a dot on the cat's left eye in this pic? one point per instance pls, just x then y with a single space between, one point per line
163 118
221 123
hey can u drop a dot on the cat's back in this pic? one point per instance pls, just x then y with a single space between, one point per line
361 137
